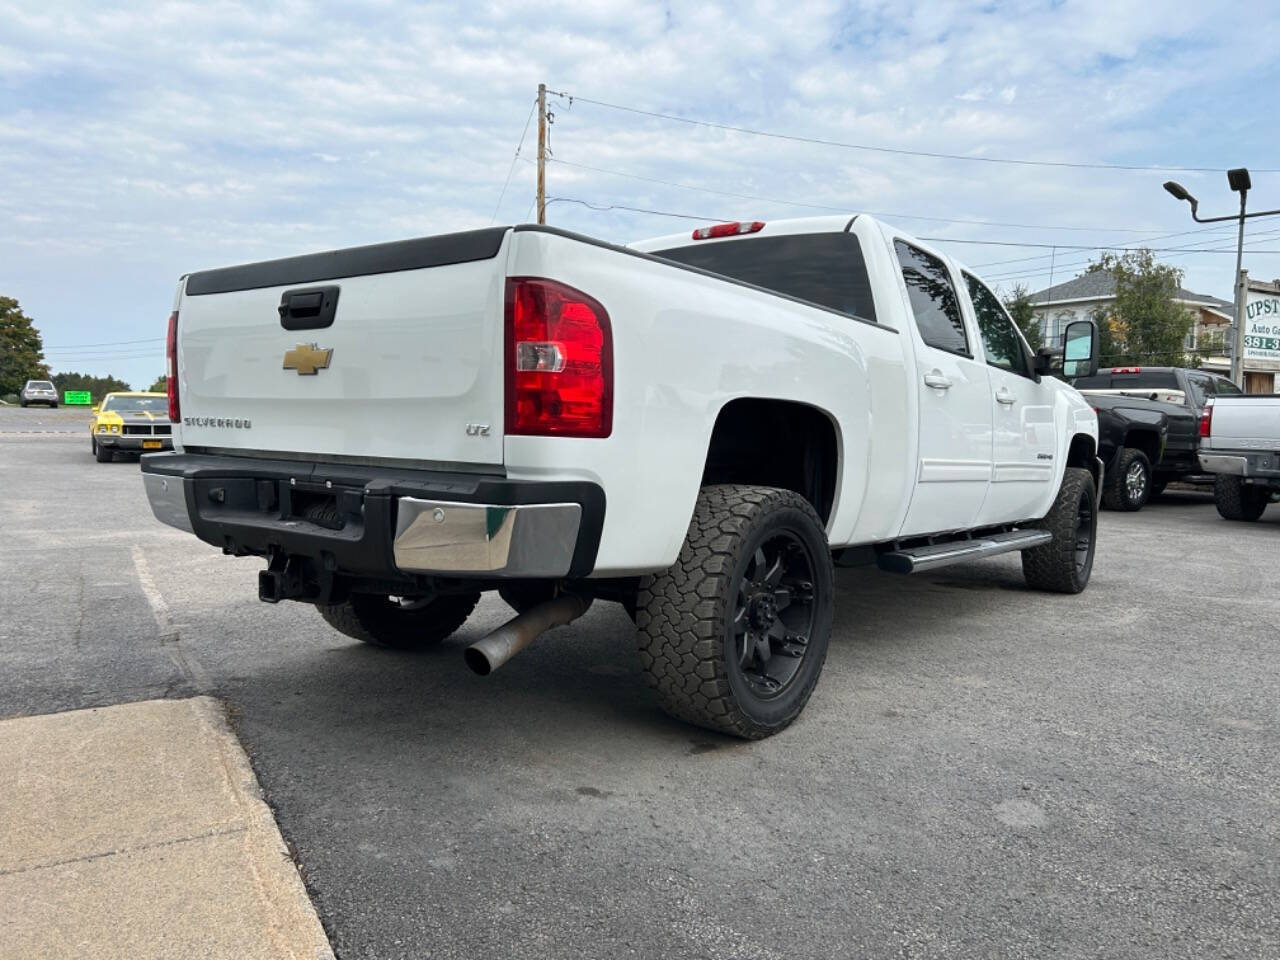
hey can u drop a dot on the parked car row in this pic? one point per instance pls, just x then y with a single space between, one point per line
1149 428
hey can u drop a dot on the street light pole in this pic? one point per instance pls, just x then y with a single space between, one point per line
1238 180
1237 354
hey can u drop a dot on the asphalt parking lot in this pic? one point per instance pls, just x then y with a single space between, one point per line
982 772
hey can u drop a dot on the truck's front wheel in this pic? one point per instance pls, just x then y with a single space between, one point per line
400 622
1237 500
734 635
1064 564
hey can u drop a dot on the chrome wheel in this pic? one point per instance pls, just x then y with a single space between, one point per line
1135 482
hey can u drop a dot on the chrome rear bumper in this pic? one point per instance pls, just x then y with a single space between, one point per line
168 499
533 540
414 534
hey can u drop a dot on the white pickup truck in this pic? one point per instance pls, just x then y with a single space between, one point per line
1240 442
692 426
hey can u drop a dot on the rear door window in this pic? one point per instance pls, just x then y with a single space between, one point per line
826 269
1200 388
933 300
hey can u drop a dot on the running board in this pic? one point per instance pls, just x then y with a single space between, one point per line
917 559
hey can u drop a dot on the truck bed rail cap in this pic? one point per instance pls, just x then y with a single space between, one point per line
392 257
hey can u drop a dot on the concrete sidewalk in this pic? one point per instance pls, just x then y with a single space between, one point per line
139 831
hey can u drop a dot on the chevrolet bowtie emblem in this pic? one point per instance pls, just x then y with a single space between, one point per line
307 358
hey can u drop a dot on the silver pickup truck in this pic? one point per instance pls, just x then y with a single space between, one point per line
1240 442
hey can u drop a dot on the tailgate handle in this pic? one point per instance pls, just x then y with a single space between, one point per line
308 309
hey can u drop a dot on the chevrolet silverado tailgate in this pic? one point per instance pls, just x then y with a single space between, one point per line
1246 421
391 351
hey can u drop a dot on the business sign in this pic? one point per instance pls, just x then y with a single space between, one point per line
83 397
1262 322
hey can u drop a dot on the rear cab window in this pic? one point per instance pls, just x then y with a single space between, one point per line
825 269
1143 380
933 299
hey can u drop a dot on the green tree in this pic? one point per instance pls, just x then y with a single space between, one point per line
1144 324
98 387
161 385
1020 308
21 349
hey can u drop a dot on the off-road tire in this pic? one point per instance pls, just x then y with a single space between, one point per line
1237 500
684 614
1117 495
102 454
383 622
1055 566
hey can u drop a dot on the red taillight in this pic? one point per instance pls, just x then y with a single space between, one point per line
1126 370
171 357
1206 418
728 229
559 361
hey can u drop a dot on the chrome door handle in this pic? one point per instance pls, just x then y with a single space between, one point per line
936 379
1004 396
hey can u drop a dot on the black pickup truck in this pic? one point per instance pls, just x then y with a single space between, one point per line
1133 403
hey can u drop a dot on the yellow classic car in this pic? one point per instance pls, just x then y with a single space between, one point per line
130 423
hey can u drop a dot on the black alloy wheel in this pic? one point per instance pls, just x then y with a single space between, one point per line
1086 527
775 615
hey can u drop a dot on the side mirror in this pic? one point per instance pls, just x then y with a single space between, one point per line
1080 349
93 410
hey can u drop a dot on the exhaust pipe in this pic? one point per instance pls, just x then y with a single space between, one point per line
487 655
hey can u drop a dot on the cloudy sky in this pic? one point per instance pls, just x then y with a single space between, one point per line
141 141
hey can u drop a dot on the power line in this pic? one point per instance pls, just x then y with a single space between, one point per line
111 343
512 168
1074 246
1021 273
1162 236
618 206
898 151
848 209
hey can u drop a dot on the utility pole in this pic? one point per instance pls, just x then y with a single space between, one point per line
542 153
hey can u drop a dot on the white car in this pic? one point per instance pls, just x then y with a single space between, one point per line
691 426
38 391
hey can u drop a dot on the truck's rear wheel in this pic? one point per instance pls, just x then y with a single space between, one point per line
1128 487
1064 564
400 622
1237 500
734 635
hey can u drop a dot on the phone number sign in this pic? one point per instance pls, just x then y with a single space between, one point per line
1262 326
